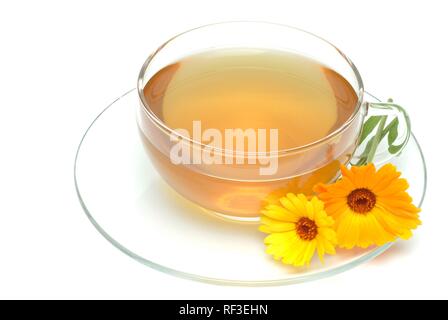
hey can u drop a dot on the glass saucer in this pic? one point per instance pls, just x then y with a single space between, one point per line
133 208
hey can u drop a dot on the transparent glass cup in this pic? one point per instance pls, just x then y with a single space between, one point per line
238 190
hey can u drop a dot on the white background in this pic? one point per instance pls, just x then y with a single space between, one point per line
62 62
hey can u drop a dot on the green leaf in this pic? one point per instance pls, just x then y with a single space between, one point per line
394 149
376 139
378 124
393 132
363 157
368 127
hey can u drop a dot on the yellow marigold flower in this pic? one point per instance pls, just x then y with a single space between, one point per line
297 228
369 207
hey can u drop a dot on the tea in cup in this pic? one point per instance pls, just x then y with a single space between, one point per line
234 114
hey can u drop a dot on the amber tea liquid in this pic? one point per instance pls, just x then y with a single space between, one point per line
251 88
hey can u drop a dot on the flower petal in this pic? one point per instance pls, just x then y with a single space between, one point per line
399 208
295 252
346 173
393 188
320 248
280 237
328 233
288 205
307 255
359 175
348 230
383 177
279 213
323 220
271 225
309 210
395 224
317 204
299 203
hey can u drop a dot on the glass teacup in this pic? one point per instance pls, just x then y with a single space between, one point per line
247 179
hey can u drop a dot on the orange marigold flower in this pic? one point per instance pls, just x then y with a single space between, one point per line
369 207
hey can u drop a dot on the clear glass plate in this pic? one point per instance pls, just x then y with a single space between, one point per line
133 208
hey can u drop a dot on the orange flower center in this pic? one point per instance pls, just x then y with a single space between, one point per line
306 229
361 200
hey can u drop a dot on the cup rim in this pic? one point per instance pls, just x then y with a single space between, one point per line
161 125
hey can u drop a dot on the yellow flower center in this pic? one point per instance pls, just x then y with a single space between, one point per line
361 200
306 229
